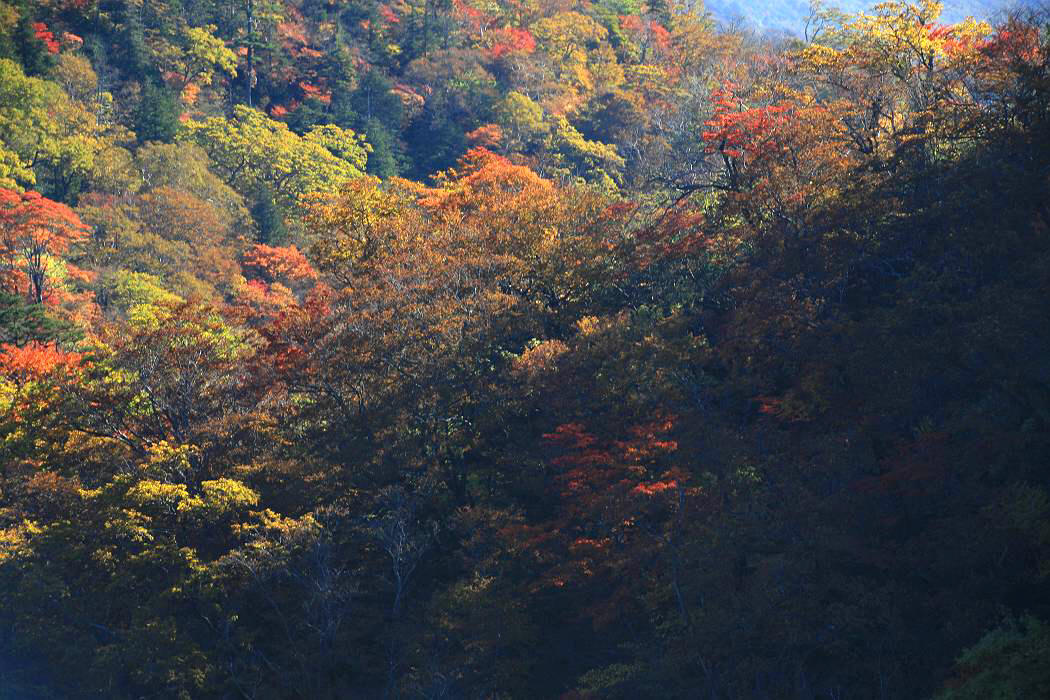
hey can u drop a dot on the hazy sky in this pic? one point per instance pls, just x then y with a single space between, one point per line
791 14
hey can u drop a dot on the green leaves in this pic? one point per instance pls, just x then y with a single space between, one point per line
1011 661
251 151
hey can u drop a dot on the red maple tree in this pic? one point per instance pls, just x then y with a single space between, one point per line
33 229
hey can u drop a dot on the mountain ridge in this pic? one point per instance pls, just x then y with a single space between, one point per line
790 15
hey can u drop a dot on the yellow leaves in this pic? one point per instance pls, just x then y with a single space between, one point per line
898 36
644 73
167 458
139 289
539 358
14 171
606 70
194 56
820 56
580 75
342 143
150 492
923 11
209 52
526 127
596 162
223 495
269 524
522 120
566 34
8 17
255 151
903 73
567 38
906 34
130 525
41 126
217 498
76 76
14 540
589 326
352 224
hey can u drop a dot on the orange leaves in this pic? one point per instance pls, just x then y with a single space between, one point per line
648 441
486 136
486 184
953 39
388 15
277 271
311 91
291 334
582 453
278 263
540 359
645 32
71 40
259 299
40 219
1015 42
471 17
594 466
41 32
505 209
778 163
619 500
55 44
508 41
411 100
916 466
768 405
655 487
481 175
739 132
35 361
677 233
33 229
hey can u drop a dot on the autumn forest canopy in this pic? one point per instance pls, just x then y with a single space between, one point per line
506 349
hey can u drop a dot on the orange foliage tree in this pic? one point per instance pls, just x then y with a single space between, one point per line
33 230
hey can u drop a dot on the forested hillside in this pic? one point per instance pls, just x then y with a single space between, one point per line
522 349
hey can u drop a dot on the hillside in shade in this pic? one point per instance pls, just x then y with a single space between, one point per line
522 350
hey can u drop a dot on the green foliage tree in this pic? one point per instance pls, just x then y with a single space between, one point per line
1008 662
251 150
156 117
22 323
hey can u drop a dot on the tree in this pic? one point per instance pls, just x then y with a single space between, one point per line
1009 661
34 230
174 220
32 45
156 118
23 322
196 59
902 73
252 151
46 138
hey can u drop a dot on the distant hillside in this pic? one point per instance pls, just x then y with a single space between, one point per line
790 15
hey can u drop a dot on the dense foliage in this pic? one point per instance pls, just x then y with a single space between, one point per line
522 349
